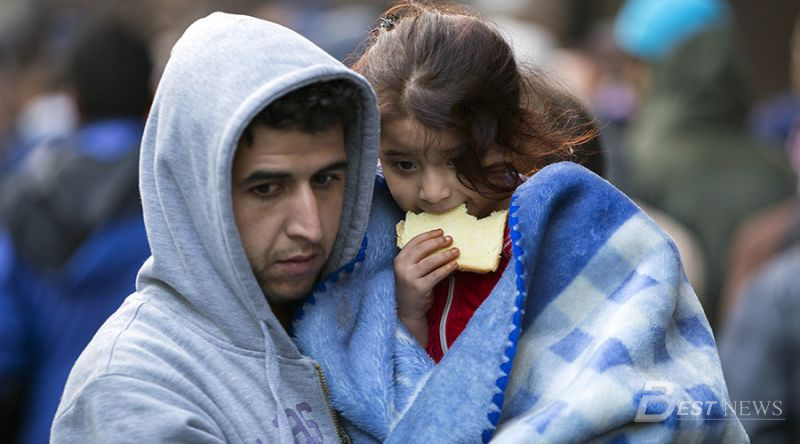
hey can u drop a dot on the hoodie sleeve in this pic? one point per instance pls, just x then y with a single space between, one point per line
117 408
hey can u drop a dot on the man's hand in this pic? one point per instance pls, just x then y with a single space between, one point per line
416 272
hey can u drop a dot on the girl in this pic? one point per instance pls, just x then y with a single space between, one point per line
460 120
588 306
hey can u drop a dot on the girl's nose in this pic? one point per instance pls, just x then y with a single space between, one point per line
434 187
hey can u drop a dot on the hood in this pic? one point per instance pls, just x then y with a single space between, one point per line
650 29
701 83
222 71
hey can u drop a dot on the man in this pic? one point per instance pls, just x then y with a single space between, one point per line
72 236
255 182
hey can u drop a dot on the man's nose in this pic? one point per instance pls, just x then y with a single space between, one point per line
304 221
434 187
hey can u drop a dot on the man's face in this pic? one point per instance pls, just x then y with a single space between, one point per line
288 190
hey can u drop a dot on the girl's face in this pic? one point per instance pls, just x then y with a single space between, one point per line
417 164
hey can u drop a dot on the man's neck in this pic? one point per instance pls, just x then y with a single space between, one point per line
284 313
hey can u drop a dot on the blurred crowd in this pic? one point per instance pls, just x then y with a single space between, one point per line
697 102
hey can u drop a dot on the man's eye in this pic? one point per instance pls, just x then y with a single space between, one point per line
265 190
405 166
324 179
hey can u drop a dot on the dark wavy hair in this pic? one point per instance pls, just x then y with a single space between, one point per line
312 108
448 68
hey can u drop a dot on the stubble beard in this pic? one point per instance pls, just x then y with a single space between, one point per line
282 290
275 296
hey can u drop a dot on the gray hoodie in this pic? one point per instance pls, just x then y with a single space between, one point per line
196 355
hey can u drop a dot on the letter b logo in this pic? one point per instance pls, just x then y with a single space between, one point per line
665 400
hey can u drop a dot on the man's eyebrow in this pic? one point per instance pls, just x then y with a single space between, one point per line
261 175
265 175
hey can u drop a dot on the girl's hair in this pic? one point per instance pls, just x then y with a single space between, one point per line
446 67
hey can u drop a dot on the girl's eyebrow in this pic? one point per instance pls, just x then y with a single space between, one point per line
394 152
451 152
442 154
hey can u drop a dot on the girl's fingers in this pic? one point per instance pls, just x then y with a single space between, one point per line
425 244
436 261
438 274
422 237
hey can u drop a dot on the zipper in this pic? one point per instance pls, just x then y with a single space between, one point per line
343 438
443 323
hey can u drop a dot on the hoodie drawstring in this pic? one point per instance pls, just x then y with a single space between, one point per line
272 375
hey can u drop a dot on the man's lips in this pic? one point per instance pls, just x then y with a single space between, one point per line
299 264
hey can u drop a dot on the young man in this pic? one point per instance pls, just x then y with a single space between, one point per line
256 175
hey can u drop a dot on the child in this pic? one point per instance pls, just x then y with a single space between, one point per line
450 138
559 344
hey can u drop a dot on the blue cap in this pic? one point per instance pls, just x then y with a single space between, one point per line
650 29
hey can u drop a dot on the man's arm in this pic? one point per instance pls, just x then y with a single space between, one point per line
118 408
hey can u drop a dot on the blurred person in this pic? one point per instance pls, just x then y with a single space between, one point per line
73 237
36 110
689 151
589 300
759 348
257 169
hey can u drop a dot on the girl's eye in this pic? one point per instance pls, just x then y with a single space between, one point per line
405 166
451 164
323 180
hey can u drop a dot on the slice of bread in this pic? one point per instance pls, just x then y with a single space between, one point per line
480 241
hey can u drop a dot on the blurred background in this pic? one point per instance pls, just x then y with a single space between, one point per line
697 101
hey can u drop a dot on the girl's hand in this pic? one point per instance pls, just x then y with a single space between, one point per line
416 272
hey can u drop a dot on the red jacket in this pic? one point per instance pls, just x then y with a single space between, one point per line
456 298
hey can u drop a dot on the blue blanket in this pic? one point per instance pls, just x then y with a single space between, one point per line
593 307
